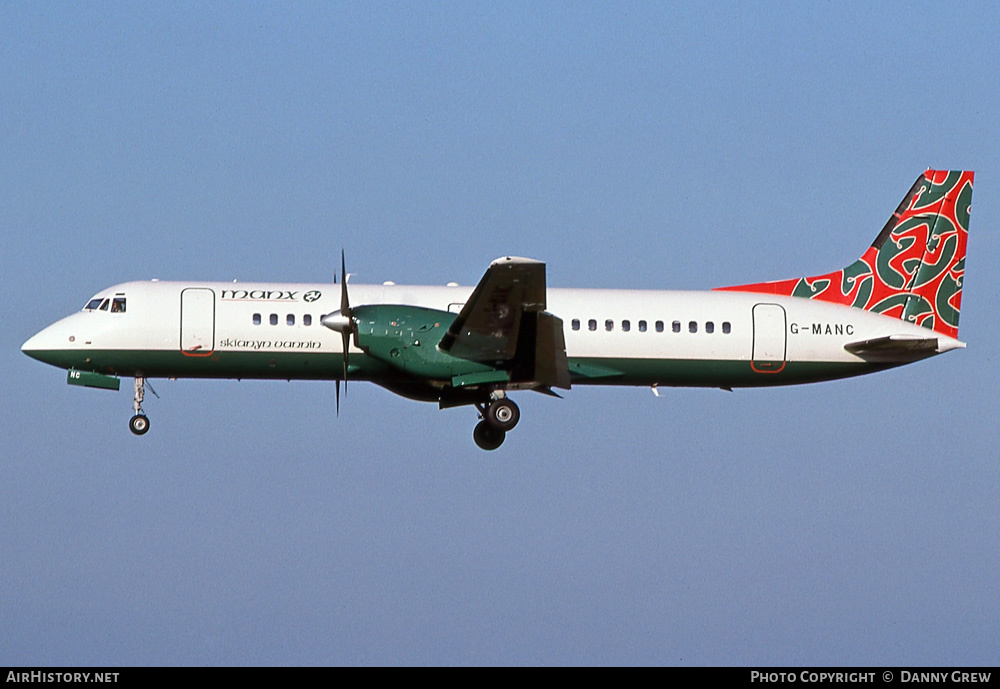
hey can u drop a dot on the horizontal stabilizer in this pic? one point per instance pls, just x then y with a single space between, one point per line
899 348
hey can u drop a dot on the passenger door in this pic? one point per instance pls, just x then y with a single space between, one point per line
197 321
769 343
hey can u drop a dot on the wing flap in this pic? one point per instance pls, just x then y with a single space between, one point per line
551 364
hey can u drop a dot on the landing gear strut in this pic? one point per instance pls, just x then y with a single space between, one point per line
499 415
139 423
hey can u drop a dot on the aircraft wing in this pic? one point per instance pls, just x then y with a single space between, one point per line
504 324
487 328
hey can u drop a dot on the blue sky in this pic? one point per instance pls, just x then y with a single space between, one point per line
627 145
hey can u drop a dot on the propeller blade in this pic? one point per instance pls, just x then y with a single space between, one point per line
346 340
342 321
345 310
345 304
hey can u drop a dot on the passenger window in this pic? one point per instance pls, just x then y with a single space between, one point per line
576 324
642 326
693 327
307 320
609 325
709 327
290 319
274 319
726 328
256 319
592 324
676 326
659 326
626 326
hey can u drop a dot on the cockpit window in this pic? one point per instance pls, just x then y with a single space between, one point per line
115 305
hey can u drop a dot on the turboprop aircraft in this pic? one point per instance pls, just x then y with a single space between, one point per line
457 346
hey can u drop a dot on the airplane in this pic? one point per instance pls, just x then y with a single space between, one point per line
456 346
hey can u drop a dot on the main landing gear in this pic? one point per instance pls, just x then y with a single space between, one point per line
139 424
499 415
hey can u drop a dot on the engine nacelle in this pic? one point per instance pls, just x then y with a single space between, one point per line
407 338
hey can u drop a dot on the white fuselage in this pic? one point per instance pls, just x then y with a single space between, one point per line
647 337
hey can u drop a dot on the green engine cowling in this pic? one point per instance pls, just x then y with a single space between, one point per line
407 337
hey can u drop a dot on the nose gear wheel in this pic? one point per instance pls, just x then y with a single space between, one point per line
139 424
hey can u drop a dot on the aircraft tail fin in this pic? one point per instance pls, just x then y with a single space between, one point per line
914 268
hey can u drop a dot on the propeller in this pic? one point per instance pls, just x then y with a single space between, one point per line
342 322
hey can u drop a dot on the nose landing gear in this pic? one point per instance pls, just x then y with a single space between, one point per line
499 415
139 424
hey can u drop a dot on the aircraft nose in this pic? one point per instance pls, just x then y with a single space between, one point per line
46 344
32 346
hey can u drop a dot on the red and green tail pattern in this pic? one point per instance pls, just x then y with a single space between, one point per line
914 269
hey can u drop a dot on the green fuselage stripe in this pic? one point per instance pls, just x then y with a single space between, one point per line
312 365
